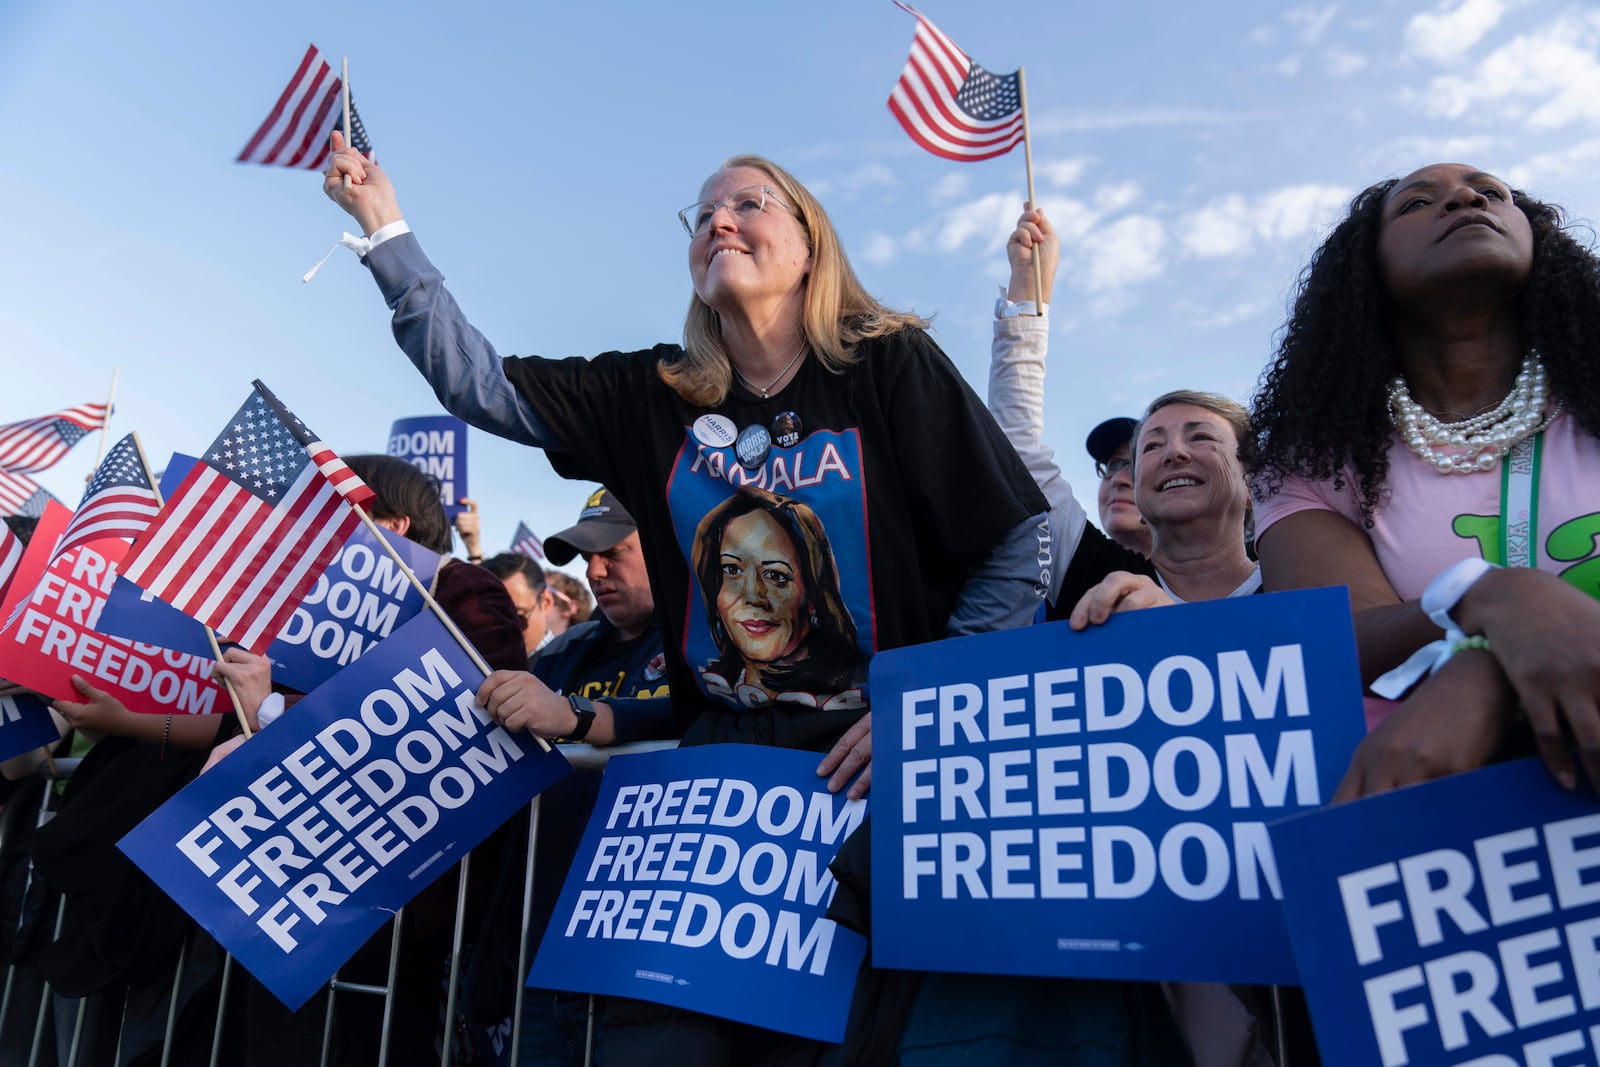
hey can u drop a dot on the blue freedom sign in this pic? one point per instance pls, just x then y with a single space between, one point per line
437 445
25 724
1454 924
300 844
702 882
1094 804
358 601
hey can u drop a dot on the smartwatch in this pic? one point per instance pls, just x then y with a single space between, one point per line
583 708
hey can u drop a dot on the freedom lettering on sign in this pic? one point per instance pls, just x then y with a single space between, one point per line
1094 804
1452 924
295 848
52 634
706 888
435 445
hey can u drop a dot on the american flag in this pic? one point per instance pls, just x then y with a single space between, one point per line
36 444
21 495
295 132
10 556
119 502
251 528
950 105
527 543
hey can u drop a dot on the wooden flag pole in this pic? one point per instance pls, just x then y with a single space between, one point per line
427 597
1027 156
211 635
105 424
344 77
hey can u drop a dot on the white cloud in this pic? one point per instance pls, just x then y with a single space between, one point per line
1449 31
1221 228
1061 172
1125 253
879 249
1310 22
1342 64
1232 225
1288 66
1549 78
1113 198
990 219
1580 160
1262 35
950 186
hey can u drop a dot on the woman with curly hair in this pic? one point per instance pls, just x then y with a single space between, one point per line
1427 435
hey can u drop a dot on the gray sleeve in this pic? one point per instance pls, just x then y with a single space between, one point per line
457 360
1016 400
1007 589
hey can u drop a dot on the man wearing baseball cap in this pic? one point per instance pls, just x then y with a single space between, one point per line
1110 446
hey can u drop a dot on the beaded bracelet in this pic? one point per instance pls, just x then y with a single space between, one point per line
1477 641
166 732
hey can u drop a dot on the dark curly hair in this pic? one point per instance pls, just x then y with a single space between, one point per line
1322 403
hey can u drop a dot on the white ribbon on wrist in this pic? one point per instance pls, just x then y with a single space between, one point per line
359 245
1438 600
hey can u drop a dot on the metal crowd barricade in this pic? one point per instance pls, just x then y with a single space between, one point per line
582 757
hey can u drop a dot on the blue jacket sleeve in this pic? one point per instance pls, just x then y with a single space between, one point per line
1007 589
643 719
457 360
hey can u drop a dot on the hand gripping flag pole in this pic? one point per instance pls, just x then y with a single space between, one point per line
211 635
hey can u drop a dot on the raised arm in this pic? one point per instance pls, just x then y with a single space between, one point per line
459 362
1016 380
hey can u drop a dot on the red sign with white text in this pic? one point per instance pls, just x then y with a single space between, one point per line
52 636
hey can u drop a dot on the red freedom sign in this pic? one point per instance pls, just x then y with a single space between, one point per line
49 636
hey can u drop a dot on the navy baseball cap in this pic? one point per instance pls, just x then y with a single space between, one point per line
1109 436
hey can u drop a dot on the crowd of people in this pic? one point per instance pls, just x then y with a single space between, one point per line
807 479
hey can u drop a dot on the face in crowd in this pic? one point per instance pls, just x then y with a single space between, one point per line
621 586
1119 514
1188 468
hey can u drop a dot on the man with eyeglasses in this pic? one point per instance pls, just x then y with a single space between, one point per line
524 580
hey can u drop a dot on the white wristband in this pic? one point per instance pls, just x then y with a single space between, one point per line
1448 587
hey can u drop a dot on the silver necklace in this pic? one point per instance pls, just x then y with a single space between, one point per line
765 393
1478 442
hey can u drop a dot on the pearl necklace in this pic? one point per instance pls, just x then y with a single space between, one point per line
1475 443
748 384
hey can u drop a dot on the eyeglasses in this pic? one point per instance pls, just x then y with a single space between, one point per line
1110 468
745 204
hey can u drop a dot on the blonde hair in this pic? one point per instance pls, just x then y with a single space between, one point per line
838 312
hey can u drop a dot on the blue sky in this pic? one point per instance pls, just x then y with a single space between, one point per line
1190 154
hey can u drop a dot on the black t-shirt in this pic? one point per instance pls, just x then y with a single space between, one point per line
1095 557
898 484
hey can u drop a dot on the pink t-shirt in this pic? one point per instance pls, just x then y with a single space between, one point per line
1427 520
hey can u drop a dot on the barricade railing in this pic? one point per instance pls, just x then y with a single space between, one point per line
582 757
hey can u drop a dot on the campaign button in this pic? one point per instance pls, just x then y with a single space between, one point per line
714 431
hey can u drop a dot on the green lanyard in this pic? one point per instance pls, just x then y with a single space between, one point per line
1519 502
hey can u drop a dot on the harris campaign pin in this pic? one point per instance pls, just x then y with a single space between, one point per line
752 447
787 429
714 431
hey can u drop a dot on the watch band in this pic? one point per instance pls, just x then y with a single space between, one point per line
583 708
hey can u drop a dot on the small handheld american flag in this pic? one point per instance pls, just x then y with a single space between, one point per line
119 502
251 528
34 445
295 132
950 105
